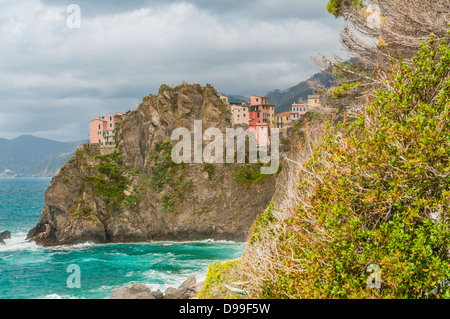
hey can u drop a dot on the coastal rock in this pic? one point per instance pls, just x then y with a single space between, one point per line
4 235
134 291
135 195
187 290
158 294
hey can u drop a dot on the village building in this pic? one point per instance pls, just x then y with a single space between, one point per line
260 111
240 114
262 132
282 119
102 129
298 110
314 100
224 98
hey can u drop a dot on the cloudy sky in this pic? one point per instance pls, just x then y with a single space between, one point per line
54 79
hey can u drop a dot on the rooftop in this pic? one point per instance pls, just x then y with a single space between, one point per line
283 114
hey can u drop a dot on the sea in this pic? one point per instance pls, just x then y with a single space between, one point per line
89 271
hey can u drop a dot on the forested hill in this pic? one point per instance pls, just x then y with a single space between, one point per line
283 100
28 156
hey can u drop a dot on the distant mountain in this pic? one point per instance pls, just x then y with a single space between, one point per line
283 100
238 99
29 156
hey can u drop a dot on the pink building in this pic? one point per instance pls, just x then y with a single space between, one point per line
261 131
102 129
298 110
260 111
240 114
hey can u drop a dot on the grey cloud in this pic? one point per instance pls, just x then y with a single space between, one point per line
120 54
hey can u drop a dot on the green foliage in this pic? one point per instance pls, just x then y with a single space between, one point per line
110 182
219 274
249 173
214 91
209 168
165 173
116 132
334 5
164 87
373 189
79 153
262 222
164 169
345 87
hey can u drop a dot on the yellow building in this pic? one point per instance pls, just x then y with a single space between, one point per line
314 100
282 119
224 99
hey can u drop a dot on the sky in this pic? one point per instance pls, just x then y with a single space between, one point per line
60 67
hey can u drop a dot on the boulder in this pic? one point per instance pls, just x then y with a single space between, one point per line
4 235
133 291
187 290
158 294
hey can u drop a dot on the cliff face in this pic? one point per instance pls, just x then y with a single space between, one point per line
136 193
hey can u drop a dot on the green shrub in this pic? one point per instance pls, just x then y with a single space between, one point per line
376 192
164 87
166 174
110 182
249 173
79 153
218 277
209 168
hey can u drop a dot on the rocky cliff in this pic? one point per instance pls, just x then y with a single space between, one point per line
134 192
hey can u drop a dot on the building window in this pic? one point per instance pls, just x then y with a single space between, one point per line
110 124
99 127
99 140
110 118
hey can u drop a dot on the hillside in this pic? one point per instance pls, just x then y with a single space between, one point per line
283 100
363 211
136 193
29 156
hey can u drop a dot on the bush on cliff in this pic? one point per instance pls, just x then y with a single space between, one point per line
373 196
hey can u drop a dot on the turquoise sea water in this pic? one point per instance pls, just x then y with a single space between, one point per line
30 271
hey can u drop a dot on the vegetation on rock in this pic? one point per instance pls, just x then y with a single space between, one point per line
375 191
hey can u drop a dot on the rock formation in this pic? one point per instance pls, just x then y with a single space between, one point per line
187 290
134 192
4 235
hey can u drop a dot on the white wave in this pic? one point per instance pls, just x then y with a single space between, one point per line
18 241
76 247
205 241
169 278
56 296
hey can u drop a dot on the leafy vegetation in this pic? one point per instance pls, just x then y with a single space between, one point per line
249 173
165 173
219 274
164 87
110 182
209 168
375 192
333 6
